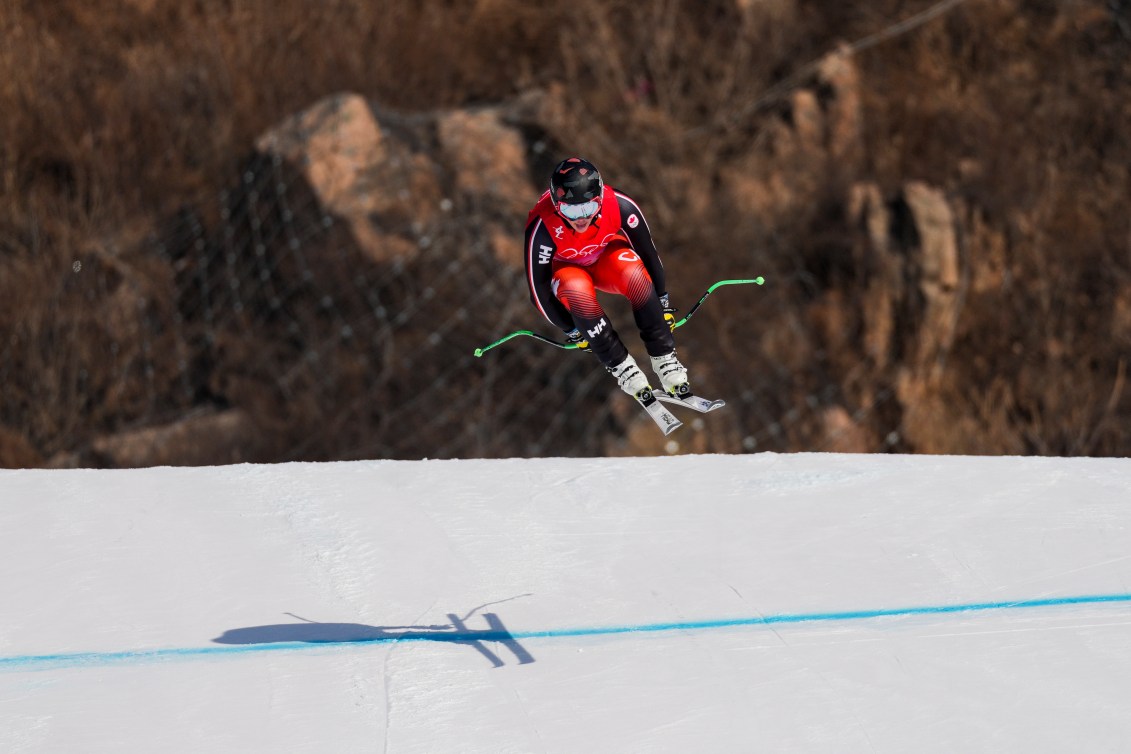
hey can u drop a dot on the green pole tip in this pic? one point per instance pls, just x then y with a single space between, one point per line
759 280
478 352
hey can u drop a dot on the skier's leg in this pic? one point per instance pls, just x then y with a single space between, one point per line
574 288
620 270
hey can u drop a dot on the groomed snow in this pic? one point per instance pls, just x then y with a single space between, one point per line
759 603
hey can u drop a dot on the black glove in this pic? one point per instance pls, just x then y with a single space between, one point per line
669 311
579 340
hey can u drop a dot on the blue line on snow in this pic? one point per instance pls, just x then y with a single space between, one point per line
101 659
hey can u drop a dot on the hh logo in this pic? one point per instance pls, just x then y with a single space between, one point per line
598 329
544 253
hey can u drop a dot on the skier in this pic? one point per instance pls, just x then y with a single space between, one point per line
582 237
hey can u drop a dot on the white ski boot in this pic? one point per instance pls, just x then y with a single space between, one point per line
672 374
629 377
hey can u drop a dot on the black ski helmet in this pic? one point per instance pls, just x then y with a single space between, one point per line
575 181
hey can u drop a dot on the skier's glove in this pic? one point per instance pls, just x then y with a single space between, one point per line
669 311
578 340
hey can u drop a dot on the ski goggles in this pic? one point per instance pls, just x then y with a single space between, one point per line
579 211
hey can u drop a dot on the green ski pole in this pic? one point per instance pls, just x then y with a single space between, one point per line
571 346
756 281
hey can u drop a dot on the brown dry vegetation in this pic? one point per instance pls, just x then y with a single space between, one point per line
118 116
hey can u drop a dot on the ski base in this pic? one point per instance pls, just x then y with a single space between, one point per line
665 420
692 401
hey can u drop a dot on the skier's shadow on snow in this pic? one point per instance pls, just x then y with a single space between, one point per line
455 632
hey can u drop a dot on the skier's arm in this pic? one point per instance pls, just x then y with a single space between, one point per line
635 227
539 251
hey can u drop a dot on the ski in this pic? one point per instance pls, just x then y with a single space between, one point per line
692 401
665 420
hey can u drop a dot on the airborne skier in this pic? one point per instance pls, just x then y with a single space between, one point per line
582 237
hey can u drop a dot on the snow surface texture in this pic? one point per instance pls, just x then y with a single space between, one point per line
813 603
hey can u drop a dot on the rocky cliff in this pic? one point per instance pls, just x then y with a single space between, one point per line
936 194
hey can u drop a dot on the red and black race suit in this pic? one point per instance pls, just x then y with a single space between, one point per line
615 254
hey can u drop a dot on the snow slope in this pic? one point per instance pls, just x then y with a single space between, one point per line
812 602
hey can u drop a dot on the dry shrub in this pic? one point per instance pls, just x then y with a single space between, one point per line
120 115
